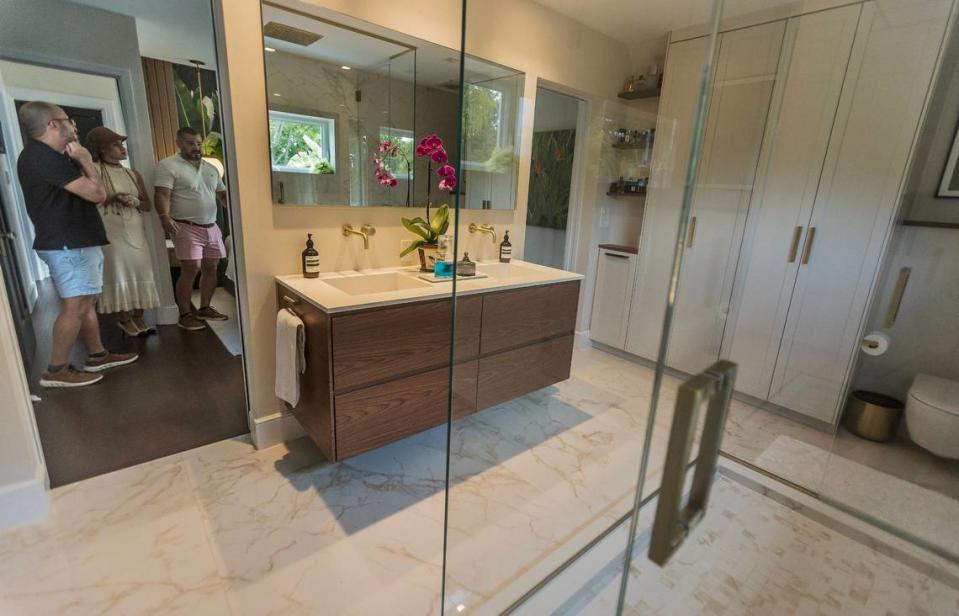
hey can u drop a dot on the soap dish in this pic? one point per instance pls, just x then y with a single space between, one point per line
431 277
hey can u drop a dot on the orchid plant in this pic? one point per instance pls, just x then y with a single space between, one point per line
431 147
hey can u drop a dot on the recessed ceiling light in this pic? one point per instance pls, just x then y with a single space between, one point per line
345 67
270 49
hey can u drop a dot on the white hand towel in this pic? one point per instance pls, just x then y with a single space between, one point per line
290 356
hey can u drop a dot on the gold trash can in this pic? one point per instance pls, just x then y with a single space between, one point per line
872 416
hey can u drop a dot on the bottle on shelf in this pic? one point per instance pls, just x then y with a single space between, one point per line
311 259
505 249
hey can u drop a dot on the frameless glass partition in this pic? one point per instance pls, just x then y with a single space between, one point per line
548 430
738 273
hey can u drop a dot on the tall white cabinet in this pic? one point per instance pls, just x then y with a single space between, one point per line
808 136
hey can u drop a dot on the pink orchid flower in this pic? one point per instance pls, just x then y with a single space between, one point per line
446 171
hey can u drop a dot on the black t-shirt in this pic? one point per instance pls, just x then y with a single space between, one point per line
60 218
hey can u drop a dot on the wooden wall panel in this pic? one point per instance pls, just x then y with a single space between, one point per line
161 102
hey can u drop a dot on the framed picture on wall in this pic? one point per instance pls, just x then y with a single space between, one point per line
949 185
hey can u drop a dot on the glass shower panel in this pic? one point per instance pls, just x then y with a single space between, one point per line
549 428
724 293
790 212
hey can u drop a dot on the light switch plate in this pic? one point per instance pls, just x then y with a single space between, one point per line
604 218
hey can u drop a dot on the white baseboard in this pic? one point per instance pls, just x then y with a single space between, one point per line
275 429
24 502
168 315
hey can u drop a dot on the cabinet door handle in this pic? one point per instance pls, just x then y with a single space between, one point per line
794 247
673 520
896 300
691 234
807 249
613 254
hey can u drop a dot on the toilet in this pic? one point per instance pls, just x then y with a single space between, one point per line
932 415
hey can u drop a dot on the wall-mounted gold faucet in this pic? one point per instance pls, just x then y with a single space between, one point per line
475 228
365 232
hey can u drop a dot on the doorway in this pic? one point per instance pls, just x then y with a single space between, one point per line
13 276
551 178
186 389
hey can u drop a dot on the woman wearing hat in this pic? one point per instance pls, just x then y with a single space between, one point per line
128 283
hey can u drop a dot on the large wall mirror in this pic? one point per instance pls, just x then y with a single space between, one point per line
337 87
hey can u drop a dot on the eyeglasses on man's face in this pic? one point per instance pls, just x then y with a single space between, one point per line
72 122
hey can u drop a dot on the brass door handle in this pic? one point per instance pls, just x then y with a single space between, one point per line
673 520
896 300
807 249
794 247
691 233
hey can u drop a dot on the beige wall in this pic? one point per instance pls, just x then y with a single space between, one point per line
534 40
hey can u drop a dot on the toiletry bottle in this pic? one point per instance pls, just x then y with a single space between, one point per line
444 257
311 259
505 249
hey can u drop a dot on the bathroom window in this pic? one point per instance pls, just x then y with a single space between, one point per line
396 165
484 125
302 143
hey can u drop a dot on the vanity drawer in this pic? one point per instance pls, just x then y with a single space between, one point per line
522 316
511 374
373 346
374 416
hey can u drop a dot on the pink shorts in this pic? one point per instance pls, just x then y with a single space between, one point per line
192 243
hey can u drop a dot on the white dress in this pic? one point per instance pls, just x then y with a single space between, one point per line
128 281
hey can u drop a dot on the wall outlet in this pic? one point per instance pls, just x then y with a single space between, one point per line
604 218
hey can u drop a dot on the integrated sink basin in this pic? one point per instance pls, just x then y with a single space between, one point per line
502 270
368 284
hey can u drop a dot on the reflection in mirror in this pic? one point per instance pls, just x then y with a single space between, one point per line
338 87
491 122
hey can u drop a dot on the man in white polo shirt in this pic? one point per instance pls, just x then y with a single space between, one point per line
188 190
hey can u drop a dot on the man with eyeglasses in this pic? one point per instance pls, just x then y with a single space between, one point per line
61 188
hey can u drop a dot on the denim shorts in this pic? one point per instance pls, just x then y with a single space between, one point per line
75 271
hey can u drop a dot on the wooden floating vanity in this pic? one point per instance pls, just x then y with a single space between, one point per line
378 363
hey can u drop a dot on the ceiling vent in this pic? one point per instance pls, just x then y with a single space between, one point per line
290 34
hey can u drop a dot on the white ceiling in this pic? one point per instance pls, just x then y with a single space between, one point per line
174 30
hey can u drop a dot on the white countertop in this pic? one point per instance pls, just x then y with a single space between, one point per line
322 293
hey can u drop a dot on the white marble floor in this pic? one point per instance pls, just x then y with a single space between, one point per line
226 529
765 549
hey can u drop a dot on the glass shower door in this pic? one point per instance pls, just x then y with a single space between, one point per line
720 314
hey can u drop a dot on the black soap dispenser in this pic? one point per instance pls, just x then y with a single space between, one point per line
311 259
505 249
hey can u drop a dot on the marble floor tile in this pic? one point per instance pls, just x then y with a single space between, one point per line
227 529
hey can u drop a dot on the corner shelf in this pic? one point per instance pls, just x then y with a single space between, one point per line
640 94
629 146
